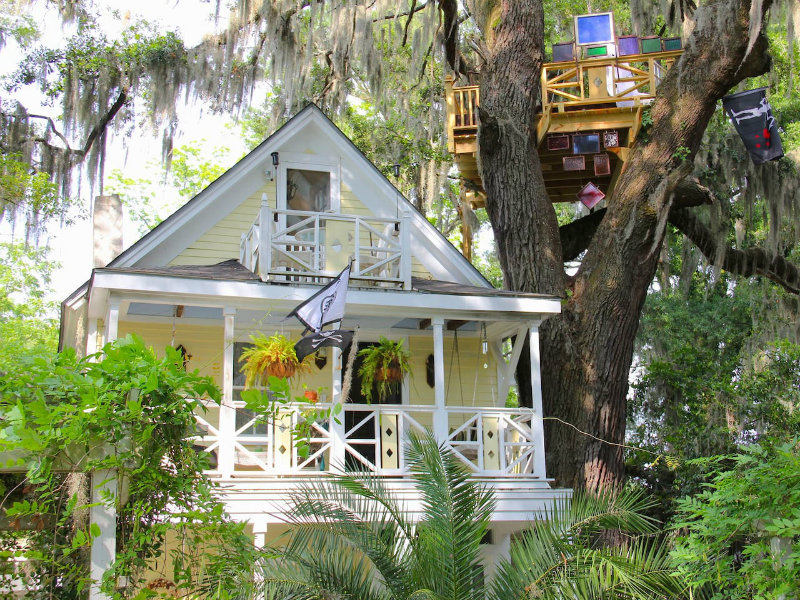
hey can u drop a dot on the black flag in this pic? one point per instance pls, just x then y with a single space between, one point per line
752 116
309 344
327 305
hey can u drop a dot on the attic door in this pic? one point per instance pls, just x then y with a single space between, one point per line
308 182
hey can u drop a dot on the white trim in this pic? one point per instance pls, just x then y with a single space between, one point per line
537 425
359 301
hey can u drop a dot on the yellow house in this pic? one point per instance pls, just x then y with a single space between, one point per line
265 236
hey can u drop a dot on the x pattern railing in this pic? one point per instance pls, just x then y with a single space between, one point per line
306 246
489 441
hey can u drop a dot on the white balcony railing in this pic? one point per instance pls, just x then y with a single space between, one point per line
300 246
492 442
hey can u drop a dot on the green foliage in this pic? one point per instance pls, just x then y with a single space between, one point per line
384 364
706 386
740 537
191 170
124 410
89 55
352 536
24 190
19 27
488 264
27 318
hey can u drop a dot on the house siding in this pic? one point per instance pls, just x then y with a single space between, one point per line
221 242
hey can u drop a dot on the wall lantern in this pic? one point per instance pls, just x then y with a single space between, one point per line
396 170
275 159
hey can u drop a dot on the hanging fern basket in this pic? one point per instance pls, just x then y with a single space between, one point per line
272 356
283 368
390 374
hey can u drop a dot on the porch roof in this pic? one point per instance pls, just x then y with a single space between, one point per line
230 284
232 270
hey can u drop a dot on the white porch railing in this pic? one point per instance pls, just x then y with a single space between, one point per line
300 246
492 442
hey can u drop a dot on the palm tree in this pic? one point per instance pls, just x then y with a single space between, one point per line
353 538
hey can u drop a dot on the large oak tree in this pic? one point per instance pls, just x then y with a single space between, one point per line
587 350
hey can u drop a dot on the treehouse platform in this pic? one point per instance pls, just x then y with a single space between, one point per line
591 112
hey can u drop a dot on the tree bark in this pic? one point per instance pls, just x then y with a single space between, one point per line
587 350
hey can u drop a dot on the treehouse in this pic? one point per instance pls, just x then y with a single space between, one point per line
269 234
594 95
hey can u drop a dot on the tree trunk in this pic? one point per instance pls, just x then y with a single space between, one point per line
587 350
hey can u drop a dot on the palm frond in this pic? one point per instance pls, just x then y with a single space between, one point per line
561 556
457 511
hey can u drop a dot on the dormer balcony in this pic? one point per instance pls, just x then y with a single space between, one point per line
310 247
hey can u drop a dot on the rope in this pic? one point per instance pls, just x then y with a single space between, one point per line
351 358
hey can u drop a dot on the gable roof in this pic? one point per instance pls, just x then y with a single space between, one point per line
212 204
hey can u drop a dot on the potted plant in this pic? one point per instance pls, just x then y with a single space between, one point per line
272 356
384 364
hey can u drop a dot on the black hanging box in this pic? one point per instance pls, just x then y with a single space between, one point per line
752 116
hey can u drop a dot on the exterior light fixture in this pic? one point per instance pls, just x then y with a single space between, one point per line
396 170
275 159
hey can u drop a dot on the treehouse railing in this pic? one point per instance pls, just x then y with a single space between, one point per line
492 442
310 247
624 81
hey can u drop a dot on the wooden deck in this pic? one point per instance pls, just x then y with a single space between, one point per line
594 95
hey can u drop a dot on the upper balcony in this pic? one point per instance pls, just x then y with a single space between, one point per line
303 246
603 95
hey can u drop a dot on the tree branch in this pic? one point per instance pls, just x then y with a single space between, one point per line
449 10
744 263
101 125
408 22
409 13
575 236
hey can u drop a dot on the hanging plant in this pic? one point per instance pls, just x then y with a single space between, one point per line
384 364
272 356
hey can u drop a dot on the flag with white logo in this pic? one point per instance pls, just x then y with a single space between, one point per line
309 344
326 306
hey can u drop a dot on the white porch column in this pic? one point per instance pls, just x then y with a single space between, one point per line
227 414
499 549
264 238
337 429
259 533
405 250
91 337
440 421
104 547
112 321
537 425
